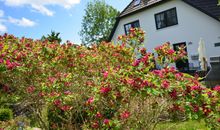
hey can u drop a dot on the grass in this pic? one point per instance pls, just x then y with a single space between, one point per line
187 125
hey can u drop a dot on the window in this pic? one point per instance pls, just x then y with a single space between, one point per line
136 2
134 24
217 44
166 18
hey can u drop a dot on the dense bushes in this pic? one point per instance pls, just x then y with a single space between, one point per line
6 114
110 86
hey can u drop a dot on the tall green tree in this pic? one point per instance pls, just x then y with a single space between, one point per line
98 22
53 37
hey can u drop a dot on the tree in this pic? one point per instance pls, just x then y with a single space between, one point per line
218 2
97 22
53 37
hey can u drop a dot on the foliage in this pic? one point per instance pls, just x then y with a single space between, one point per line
5 114
53 37
185 125
14 123
98 22
110 86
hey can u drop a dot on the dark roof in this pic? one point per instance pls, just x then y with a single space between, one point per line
131 8
208 7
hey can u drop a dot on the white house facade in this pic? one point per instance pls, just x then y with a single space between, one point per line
174 21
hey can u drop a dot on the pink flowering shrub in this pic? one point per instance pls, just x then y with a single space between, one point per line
101 87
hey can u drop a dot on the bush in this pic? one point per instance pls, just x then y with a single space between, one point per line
110 86
6 114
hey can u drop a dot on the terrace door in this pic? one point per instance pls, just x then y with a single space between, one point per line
181 65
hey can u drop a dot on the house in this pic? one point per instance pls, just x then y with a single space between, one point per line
181 22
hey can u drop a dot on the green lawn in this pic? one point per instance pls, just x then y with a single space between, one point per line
187 125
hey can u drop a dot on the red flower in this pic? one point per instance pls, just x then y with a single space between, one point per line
130 81
105 74
209 94
198 88
57 102
82 55
195 108
9 65
3 55
136 63
118 94
132 30
67 92
1 60
51 79
170 51
28 45
1 46
54 94
31 89
125 115
177 107
105 90
41 94
95 125
106 121
143 51
206 111
145 58
217 88
90 100
165 84
158 72
66 108
6 88
98 115
173 94
178 76
218 120
67 84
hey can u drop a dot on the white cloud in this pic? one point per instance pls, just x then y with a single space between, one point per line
40 5
43 10
1 13
3 28
24 22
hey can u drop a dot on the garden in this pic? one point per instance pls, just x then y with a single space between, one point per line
104 86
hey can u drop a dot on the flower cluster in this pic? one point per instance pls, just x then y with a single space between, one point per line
167 55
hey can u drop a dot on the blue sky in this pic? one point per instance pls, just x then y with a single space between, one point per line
34 18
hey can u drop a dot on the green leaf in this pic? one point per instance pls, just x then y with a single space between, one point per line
2 68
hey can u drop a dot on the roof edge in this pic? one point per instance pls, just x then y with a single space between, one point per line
125 8
144 8
117 22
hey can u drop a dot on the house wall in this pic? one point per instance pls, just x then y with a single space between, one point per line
192 25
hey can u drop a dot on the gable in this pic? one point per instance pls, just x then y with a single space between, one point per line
209 7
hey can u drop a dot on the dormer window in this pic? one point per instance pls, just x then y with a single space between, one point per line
137 2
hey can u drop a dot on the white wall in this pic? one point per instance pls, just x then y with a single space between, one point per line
192 24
